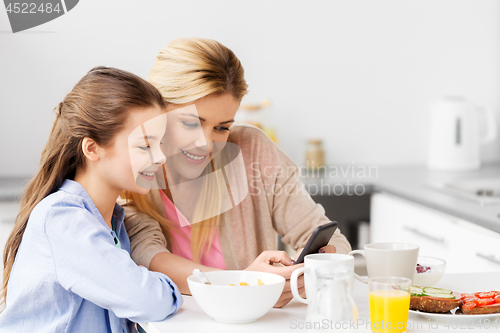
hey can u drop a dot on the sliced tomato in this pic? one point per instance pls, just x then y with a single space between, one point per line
469 305
470 299
464 296
497 299
496 292
485 301
489 294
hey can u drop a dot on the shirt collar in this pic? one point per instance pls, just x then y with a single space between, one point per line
70 186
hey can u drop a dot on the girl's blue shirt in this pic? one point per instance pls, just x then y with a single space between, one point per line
68 275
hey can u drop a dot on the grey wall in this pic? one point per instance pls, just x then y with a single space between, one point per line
359 74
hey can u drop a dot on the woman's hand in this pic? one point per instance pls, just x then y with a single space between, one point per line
265 263
324 249
328 249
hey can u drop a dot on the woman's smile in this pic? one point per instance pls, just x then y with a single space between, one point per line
192 158
189 150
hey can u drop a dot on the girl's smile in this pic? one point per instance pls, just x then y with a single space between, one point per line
149 176
149 173
144 148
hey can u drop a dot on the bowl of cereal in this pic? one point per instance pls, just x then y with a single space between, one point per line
236 296
429 271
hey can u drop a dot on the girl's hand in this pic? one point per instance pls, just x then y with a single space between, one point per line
265 263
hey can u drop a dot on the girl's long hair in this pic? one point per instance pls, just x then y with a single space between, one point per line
186 70
96 108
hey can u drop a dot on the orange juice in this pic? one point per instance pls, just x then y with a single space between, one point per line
389 310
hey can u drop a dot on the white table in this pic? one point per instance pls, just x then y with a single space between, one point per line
190 318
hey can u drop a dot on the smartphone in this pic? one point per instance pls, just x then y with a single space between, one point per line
319 238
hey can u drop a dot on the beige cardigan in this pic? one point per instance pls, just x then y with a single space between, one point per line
252 226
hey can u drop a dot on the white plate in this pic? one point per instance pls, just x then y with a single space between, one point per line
458 316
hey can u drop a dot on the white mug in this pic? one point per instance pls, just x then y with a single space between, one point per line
389 259
311 262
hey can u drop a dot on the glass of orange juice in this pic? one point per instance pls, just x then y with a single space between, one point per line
389 303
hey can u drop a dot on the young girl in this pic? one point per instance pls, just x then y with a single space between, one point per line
67 265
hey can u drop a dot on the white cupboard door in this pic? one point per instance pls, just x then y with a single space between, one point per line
477 248
397 220
465 246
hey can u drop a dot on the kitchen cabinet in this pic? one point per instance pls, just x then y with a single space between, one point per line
465 246
350 211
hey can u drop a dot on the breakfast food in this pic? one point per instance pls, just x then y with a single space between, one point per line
434 300
428 271
481 303
437 300
422 269
259 283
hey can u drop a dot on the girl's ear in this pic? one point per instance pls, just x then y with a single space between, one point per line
90 149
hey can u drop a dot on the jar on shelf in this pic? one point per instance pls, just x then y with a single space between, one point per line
259 115
250 114
315 155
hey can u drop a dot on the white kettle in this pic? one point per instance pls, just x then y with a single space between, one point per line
454 134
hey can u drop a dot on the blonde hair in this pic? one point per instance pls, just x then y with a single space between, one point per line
186 70
192 68
97 108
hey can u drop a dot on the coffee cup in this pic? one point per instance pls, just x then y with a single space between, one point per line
311 263
388 259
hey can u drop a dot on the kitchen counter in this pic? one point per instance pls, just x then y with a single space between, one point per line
291 318
11 188
412 183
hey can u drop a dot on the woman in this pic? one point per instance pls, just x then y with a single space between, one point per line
202 82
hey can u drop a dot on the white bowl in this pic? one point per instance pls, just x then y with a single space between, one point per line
236 304
431 277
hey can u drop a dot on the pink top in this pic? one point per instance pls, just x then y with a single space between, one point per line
182 245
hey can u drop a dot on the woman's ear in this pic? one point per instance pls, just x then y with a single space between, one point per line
91 149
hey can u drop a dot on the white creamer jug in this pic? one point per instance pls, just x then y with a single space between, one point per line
332 307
